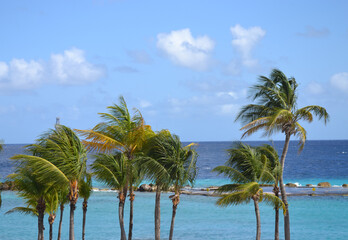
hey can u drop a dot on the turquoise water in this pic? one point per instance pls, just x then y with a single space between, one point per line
197 218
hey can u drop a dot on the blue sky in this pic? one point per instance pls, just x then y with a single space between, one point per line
186 65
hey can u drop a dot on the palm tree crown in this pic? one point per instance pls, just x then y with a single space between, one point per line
277 108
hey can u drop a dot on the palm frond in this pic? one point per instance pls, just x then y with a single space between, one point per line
23 210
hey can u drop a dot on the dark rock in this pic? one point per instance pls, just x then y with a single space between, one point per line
145 188
345 185
291 185
309 185
324 184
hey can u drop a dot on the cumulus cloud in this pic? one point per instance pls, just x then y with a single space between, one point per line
72 68
312 32
340 81
244 40
69 68
20 74
185 50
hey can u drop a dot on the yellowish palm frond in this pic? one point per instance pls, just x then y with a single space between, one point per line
99 141
302 134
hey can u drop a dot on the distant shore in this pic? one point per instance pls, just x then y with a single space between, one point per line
322 189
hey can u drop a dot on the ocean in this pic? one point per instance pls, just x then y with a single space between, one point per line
312 217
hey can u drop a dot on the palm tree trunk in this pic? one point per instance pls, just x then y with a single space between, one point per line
51 219
276 209
122 199
131 199
258 220
158 214
176 201
84 208
60 220
73 196
41 206
276 230
282 189
51 231
71 228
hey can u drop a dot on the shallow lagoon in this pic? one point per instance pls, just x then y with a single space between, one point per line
198 217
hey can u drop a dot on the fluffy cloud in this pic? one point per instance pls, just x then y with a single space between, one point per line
185 50
69 68
20 74
72 68
340 81
244 40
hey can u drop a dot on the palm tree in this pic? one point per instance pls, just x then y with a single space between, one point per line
246 168
85 191
52 204
61 160
154 167
62 199
33 191
275 170
277 111
180 163
112 170
121 132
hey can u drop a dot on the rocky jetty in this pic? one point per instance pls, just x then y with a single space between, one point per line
324 184
291 185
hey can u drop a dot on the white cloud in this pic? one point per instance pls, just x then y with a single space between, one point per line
69 68
245 40
20 74
185 50
340 81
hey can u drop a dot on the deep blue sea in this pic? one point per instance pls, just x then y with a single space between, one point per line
312 217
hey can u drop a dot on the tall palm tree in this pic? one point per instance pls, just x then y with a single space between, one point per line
153 163
112 170
275 170
52 204
33 191
246 168
121 132
180 163
62 199
61 160
85 191
277 111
